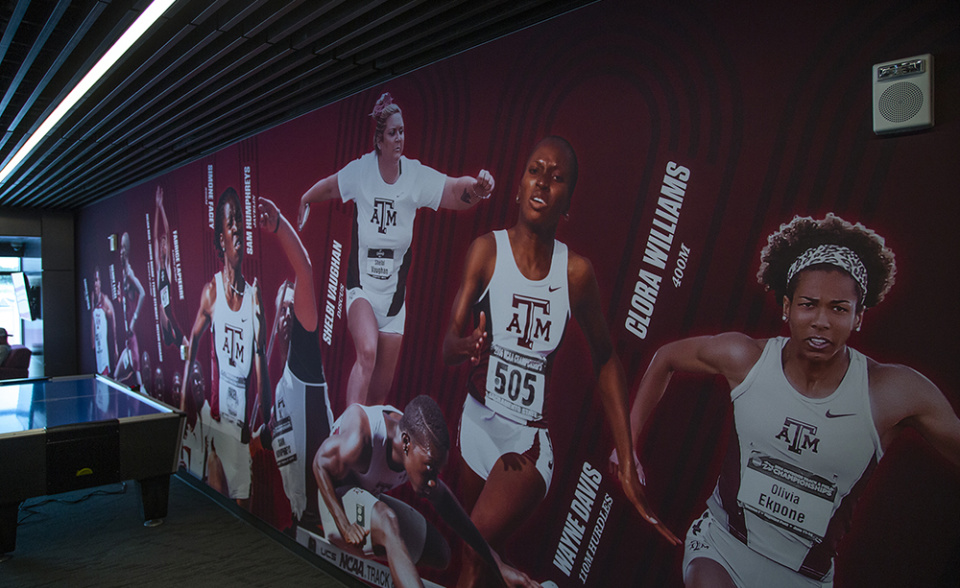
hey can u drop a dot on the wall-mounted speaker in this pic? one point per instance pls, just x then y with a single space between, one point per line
903 94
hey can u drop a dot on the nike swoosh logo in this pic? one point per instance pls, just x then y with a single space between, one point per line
553 288
831 415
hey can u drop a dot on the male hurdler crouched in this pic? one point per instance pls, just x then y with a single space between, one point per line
373 449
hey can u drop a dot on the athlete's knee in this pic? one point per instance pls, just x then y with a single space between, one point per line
366 353
702 572
385 526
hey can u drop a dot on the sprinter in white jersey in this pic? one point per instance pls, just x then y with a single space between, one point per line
374 449
103 327
132 295
231 308
520 286
166 286
812 416
387 189
302 413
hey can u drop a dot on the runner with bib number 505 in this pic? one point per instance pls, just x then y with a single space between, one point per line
520 286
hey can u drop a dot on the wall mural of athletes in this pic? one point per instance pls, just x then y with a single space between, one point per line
618 300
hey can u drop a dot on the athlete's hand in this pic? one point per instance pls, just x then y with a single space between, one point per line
476 339
261 440
354 534
265 434
515 578
159 197
614 466
636 495
268 214
511 576
302 214
484 185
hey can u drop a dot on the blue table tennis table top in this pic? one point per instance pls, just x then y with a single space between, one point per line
51 402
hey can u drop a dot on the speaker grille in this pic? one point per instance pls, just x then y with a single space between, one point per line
900 102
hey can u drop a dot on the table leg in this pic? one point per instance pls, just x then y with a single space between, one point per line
8 528
154 495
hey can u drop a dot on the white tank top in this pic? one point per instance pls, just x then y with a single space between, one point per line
234 344
378 477
101 345
802 463
526 321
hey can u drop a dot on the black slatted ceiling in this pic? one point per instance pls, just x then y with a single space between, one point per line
209 74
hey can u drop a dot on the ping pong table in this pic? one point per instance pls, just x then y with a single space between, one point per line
64 434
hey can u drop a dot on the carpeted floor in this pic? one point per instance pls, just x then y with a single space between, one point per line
100 541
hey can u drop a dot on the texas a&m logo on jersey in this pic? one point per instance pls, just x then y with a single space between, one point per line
531 321
384 215
798 436
233 344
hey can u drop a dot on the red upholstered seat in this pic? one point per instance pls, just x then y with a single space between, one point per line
17 364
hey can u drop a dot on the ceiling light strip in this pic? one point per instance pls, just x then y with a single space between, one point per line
146 19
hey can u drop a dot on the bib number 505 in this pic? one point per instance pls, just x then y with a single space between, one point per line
514 383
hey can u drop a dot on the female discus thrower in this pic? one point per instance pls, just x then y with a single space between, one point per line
388 189
524 285
812 416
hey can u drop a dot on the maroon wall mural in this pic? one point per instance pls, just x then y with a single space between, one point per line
698 131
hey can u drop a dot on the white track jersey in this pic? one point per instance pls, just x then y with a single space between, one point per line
383 226
802 463
163 287
379 477
234 343
101 341
526 320
290 433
